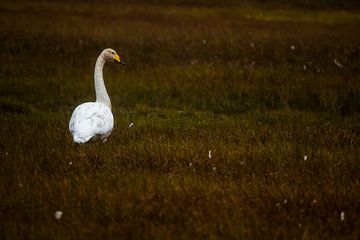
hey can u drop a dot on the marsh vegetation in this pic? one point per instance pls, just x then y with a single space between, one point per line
272 91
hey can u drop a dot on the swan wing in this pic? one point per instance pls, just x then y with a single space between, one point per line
91 120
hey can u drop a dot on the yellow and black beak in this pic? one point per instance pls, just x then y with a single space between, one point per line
118 60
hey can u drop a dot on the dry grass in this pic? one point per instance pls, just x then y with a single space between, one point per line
198 78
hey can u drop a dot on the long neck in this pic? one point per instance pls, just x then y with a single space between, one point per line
101 93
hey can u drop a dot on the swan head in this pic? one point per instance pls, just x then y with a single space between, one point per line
111 56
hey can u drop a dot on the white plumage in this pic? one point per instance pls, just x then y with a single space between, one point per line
94 120
91 121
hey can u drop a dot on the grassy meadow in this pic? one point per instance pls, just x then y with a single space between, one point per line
272 90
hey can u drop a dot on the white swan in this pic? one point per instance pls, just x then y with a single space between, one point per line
94 120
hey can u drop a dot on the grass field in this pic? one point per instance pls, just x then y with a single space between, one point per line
272 90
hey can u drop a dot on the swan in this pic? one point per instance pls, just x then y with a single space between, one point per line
94 120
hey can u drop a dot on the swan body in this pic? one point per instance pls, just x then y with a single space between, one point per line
94 120
91 121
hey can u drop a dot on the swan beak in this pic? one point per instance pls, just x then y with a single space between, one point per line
117 59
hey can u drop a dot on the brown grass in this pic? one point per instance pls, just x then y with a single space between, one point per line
198 78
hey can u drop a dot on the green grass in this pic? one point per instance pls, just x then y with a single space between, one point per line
260 85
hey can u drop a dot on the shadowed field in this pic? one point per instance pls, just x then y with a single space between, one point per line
272 91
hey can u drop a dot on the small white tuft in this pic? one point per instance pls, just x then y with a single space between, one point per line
130 125
209 154
337 63
292 47
305 157
342 216
58 215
